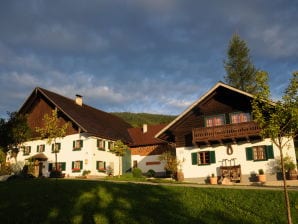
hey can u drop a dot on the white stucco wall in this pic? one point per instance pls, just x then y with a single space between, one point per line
239 153
89 154
143 160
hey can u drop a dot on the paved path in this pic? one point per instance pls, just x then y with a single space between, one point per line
270 185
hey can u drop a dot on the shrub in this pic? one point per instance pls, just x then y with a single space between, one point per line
150 173
56 174
86 172
261 171
137 173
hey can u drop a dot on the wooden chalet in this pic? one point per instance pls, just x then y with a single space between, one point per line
217 135
87 141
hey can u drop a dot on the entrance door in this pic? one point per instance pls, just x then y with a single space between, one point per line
40 166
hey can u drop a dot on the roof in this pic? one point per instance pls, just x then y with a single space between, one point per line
208 93
139 138
89 119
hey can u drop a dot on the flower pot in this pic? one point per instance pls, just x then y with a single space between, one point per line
180 176
262 178
213 180
291 175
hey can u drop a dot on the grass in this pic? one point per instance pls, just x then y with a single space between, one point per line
83 201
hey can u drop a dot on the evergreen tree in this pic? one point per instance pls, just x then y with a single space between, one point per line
240 72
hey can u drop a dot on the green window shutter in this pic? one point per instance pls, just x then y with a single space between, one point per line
212 157
269 152
73 144
63 166
104 144
81 165
50 166
97 143
194 158
72 164
81 143
53 147
104 165
37 150
59 146
249 153
97 163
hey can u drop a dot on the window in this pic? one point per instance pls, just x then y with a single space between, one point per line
260 153
100 144
239 117
26 150
77 145
203 158
110 145
56 147
40 148
60 166
77 166
101 166
215 120
135 164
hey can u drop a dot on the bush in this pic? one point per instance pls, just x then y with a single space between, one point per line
56 174
150 173
137 173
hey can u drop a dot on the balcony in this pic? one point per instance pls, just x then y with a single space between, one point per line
229 133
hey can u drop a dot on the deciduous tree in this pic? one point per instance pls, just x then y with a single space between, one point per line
52 130
278 121
14 131
119 149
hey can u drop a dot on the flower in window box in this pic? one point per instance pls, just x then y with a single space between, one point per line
76 170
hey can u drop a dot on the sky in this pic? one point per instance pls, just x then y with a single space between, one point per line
156 56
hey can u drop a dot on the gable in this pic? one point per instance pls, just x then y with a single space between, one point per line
221 99
83 117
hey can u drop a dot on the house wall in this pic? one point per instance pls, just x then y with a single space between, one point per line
146 163
147 157
36 114
89 154
248 167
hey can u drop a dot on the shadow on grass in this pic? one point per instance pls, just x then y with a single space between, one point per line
79 201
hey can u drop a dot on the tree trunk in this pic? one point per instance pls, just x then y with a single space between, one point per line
286 195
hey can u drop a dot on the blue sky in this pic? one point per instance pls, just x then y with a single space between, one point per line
156 56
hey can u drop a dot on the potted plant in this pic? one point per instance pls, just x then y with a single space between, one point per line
290 168
262 176
213 179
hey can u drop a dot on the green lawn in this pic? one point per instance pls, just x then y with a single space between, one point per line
83 201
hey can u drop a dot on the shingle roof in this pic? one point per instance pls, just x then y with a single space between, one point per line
139 138
89 119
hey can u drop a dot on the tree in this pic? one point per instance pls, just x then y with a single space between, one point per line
240 72
119 149
172 163
14 131
52 130
278 121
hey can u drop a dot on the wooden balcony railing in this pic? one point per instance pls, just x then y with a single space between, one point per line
229 131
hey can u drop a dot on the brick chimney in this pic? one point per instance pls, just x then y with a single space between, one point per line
145 128
79 100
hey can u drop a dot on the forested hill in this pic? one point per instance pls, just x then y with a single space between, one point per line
138 119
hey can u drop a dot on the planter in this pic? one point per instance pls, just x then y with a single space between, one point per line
180 176
262 178
213 180
291 175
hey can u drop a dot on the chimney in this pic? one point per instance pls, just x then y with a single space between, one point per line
79 100
145 128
